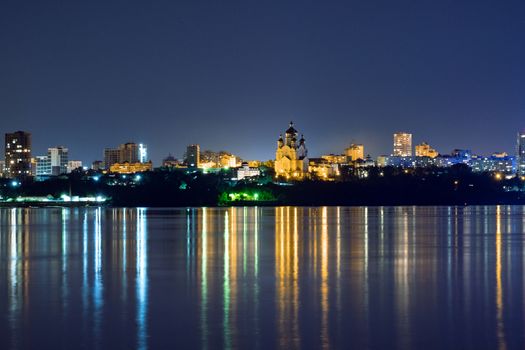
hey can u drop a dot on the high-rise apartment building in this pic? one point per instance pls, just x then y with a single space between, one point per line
521 153
193 156
402 144
111 156
59 157
143 153
18 154
129 153
424 150
54 164
126 153
355 152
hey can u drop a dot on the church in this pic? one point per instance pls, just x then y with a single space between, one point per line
291 157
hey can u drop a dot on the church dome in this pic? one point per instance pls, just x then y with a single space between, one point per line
291 129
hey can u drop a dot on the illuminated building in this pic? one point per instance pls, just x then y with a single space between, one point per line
18 154
382 161
402 144
254 163
41 166
54 164
464 155
73 165
405 162
210 159
2 168
130 153
291 156
521 153
228 161
335 158
58 157
355 152
143 153
424 150
246 171
130 168
171 162
498 162
34 162
500 154
365 163
192 158
323 169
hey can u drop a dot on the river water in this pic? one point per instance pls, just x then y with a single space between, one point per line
262 278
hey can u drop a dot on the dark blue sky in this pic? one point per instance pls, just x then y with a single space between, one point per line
231 74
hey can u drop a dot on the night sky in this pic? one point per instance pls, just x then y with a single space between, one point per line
230 75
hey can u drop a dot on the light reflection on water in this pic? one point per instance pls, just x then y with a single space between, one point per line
287 277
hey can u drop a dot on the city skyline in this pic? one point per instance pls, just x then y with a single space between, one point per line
181 155
174 74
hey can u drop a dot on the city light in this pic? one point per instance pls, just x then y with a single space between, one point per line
143 153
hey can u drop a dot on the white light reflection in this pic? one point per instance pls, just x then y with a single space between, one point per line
98 301
14 283
142 279
325 304
204 279
226 284
85 289
256 272
499 288
65 298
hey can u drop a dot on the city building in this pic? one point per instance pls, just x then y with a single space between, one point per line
382 161
97 165
355 152
192 157
228 161
254 163
335 158
59 158
520 156
424 150
464 155
129 153
143 153
41 166
402 144
18 154
73 165
246 171
2 168
171 162
499 162
365 163
323 169
54 163
111 156
405 162
130 168
291 156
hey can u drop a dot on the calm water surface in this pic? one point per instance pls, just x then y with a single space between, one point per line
262 278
